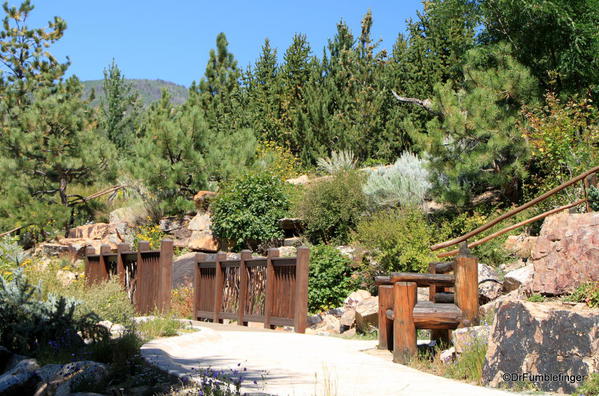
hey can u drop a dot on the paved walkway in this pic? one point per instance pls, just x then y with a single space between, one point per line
289 364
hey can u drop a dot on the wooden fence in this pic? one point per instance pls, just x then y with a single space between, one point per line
271 289
145 274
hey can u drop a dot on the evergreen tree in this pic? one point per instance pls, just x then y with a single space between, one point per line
120 108
48 138
263 94
218 93
556 39
474 143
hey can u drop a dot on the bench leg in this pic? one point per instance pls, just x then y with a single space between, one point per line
404 330
385 324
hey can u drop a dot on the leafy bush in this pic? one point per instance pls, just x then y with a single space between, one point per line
339 161
330 278
276 160
30 323
11 256
403 183
398 240
247 211
536 298
332 208
587 293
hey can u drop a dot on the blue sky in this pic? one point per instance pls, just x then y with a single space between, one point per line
171 40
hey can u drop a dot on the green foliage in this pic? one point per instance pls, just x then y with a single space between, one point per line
404 183
590 387
276 160
11 256
330 280
587 293
120 108
536 298
332 207
247 210
398 240
469 365
594 198
474 143
30 323
158 327
556 39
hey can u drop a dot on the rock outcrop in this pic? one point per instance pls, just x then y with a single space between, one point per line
529 339
566 253
521 277
489 285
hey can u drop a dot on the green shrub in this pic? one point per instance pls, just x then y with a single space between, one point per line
158 327
587 293
247 211
31 324
330 278
332 208
469 365
108 300
397 239
590 387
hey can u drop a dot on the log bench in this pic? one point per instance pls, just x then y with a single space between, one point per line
453 303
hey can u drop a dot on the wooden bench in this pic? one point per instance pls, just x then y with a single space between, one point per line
453 303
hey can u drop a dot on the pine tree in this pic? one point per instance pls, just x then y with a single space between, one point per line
120 106
474 143
48 138
218 93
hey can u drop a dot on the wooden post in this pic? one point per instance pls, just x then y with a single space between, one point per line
585 188
438 335
432 289
466 286
404 329
166 274
270 286
140 304
218 287
385 324
302 268
104 250
89 251
200 257
243 286
120 262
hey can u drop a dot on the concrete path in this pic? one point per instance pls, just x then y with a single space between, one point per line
289 364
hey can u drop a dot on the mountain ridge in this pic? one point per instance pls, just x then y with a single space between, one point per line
149 91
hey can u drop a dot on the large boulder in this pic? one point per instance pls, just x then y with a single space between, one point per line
367 314
201 237
183 269
73 374
202 200
520 245
521 277
566 253
489 285
20 378
542 339
132 215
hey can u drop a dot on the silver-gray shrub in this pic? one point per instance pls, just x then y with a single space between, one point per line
405 183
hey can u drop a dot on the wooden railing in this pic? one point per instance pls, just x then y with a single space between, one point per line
580 178
145 274
271 289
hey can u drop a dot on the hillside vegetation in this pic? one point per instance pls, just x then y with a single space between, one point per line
149 91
